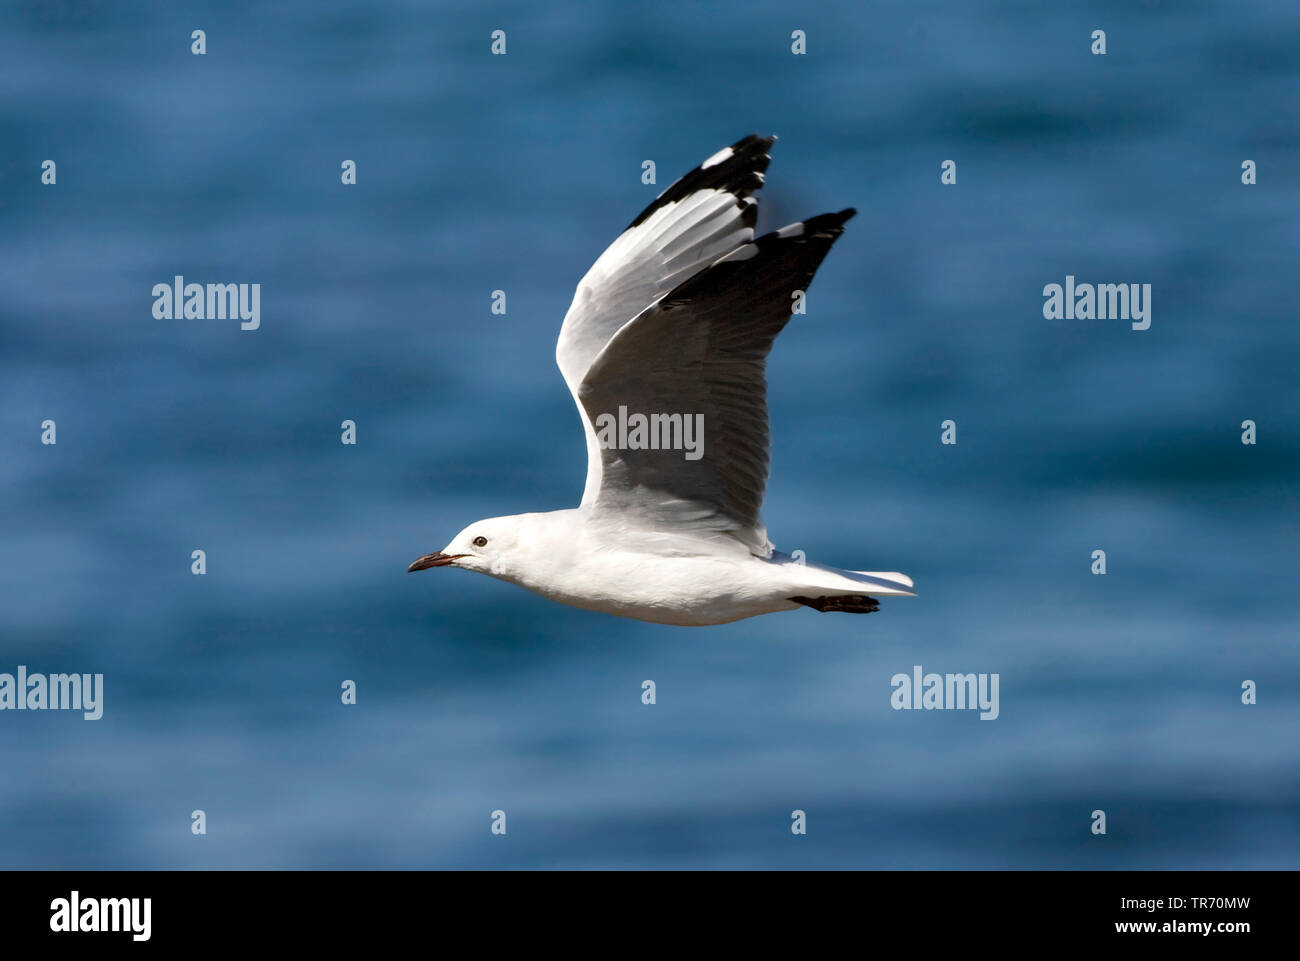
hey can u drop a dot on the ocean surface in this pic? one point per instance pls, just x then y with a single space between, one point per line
1119 692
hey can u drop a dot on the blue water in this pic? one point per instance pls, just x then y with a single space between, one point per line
1119 692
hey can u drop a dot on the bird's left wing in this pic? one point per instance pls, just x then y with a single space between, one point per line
701 217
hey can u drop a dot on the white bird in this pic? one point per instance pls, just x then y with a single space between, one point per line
669 331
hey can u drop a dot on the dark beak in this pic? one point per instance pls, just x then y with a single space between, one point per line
432 560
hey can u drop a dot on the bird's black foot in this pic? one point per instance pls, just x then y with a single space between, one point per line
847 603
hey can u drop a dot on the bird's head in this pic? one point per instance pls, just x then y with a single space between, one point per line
487 546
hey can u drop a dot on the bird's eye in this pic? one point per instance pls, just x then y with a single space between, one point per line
480 541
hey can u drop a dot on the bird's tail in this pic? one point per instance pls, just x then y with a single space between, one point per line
810 579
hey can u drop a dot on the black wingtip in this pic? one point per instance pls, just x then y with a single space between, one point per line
754 138
737 169
828 224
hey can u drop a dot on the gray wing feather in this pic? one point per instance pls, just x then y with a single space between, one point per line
702 349
699 218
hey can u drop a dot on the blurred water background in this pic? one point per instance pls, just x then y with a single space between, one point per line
475 173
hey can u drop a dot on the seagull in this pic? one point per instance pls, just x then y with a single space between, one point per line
664 350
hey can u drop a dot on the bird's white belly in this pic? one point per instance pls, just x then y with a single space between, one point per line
688 591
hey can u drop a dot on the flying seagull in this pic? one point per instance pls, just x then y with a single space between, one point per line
664 349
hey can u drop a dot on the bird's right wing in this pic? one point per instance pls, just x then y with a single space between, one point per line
697 356
705 215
